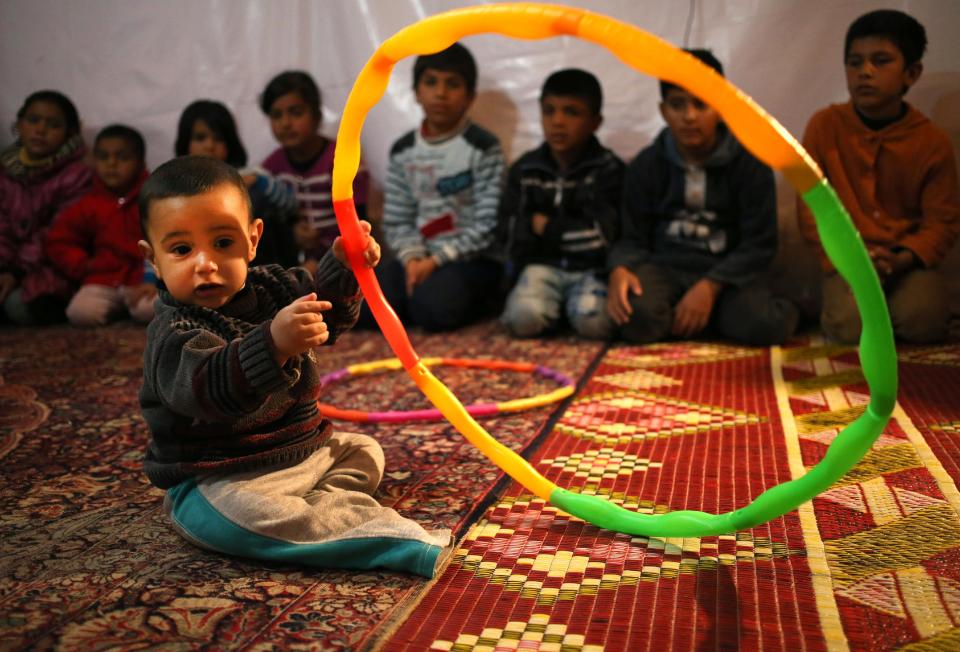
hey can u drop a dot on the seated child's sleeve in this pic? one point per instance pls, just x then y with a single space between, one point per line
637 215
513 221
476 235
274 194
940 207
335 283
756 198
69 241
400 214
195 373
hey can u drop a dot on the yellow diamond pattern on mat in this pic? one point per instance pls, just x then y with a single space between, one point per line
638 379
886 567
877 461
667 354
817 421
806 353
952 428
561 575
934 355
599 417
893 545
813 383
600 463
537 634
948 640
931 603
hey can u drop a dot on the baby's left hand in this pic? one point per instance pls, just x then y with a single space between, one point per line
371 253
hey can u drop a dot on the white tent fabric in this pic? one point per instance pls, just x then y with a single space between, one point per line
141 62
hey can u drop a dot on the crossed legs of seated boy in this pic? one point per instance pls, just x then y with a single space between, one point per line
454 295
747 315
918 304
319 512
543 293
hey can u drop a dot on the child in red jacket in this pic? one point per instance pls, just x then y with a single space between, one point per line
94 241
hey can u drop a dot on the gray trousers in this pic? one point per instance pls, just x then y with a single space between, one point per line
319 512
918 303
747 315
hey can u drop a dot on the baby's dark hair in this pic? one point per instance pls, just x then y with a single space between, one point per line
455 58
187 176
706 56
129 134
220 121
70 114
291 81
902 29
573 82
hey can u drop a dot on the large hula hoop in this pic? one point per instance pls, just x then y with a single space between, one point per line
488 409
759 132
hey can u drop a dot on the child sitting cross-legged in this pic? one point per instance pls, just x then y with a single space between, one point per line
560 210
231 381
40 174
94 240
895 172
440 203
699 230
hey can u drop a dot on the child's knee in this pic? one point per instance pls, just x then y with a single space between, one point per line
648 323
88 313
525 317
588 317
920 322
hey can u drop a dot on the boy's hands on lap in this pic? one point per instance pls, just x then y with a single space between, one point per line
299 327
538 223
890 264
622 284
419 270
692 312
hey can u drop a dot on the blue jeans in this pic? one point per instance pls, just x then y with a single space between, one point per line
543 293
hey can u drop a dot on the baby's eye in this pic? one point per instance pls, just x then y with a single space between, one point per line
223 243
180 250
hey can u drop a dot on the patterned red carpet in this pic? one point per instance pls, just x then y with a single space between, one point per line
88 562
871 564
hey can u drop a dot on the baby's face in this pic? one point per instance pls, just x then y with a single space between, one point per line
201 245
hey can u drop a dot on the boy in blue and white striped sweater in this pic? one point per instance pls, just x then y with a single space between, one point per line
442 190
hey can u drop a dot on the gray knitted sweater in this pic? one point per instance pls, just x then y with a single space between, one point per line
215 399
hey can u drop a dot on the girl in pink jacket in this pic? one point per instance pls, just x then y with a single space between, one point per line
39 174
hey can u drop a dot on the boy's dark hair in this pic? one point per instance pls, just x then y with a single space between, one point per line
291 81
70 114
903 30
219 120
455 58
129 134
187 176
573 82
706 56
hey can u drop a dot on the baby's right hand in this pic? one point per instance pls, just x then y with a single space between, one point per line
299 327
